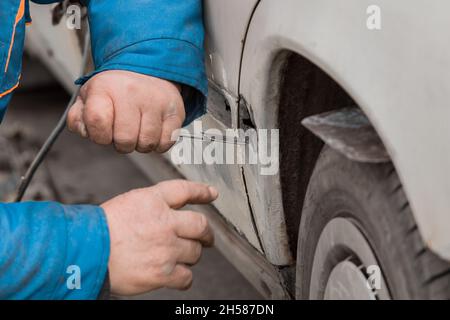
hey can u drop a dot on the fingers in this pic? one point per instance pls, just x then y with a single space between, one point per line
173 119
98 115
75 118
130 110
190 251
127 123
170 125
178 193
150 132
181 278
194 226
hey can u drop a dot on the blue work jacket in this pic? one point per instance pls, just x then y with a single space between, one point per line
54 251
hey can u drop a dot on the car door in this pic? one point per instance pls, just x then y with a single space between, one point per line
226 24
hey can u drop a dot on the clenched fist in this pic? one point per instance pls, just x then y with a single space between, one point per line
152 243
127 109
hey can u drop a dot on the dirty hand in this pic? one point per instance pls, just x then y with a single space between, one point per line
127 109
152 243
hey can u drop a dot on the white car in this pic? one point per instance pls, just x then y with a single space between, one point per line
360 91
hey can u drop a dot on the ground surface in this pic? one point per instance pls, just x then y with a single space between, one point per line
84 173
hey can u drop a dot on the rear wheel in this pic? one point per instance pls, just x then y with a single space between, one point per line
358 238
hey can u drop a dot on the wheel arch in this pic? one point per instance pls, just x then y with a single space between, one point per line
382 79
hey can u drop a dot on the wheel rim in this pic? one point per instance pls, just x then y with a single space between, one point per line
345 266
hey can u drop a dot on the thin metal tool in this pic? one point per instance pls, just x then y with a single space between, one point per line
205 137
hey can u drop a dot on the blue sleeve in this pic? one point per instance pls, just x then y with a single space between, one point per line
161 38
45 248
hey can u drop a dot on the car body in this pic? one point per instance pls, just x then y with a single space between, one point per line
395 75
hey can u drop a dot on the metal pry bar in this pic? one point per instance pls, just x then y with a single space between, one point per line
205 137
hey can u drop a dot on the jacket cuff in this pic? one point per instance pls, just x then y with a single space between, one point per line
170 59
87 252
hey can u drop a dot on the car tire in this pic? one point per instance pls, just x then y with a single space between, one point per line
358 238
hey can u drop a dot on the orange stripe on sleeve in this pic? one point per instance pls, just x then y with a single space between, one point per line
21 11
5 93
19 16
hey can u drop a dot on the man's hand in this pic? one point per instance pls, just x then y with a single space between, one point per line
152 243
130 110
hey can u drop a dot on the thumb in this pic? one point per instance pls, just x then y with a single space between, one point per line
75 121
173 118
